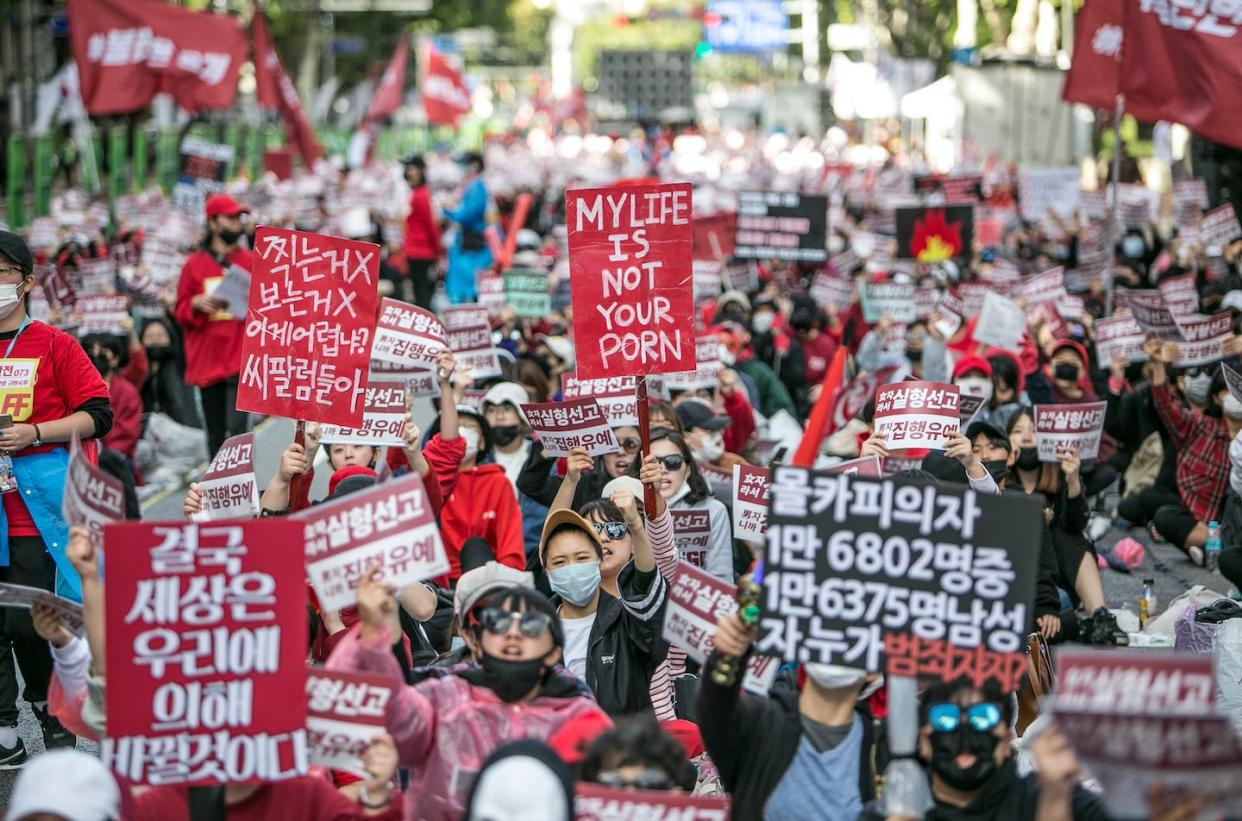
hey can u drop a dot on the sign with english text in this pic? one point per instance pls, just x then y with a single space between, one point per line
228 488
573 423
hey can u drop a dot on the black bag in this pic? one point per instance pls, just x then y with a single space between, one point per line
472 240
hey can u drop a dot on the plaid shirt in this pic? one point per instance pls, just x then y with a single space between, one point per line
1202 444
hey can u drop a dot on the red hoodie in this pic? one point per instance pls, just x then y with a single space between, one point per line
483 504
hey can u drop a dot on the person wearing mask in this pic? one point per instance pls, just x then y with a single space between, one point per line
1008 385
817 346
539 481
613 643
57 395
557 355
966 744
704 433
770 393
806 750
421 243
164 390
445 727
105 352
775 347
973 377
918 354
213 336
470 252
519 781
511 448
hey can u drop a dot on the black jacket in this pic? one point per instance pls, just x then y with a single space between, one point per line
539 482
753 740
625 645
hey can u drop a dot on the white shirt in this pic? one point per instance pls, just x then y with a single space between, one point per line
512 462
577 643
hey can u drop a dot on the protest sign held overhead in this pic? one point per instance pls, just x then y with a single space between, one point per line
712 236
407 335
1043 287
899 577
206 627
616 397
1151 313
1203 338
1061 427
310 327
572 423
880 299
750 502
781 225
1001 322
344 712
527 292
935 233
228 487
103 314
692 533
383 420
1048 190
912 415
866 466
632 280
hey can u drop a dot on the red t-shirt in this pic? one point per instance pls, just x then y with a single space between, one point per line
45 377
309 798
213 342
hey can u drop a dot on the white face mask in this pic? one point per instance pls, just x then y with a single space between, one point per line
471 438
712 447
834 677
976 386
9 299
762 323
1232 407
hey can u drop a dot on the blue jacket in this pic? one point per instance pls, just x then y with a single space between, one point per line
41 481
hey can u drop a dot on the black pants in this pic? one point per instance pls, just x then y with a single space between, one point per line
1070 549
221 414
420 279
29 564
1141 507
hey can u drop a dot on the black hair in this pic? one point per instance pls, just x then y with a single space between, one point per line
996 438
635 741
918 475
1004 371
519 600
699 489
607 511
1213 408
485 452
943 692
111 343
569 527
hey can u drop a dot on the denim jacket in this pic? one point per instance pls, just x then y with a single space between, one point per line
41 481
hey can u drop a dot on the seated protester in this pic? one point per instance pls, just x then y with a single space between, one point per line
445 727
613 643
704 435
522 781
164 390
1231 518
806 750
1008 386
773 345
65 785
511 447
105 352
920 354
1201 441
636 754
540 482
683 487
966 744
973 377
1130 419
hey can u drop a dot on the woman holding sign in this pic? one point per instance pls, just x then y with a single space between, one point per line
51 394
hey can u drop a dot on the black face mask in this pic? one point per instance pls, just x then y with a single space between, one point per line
1066 372
229 236
947 746
505 434
914 355
1028 458
102 364
509 679
160 353
997 468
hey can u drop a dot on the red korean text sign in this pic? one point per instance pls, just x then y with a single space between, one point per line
616 396
692 534
913 415
228 488
631 279
344 711
598 803
573 423
310 327
206 630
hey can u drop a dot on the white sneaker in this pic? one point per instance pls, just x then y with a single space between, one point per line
1196 555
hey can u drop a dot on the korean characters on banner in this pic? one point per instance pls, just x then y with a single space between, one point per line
102 314
1203 338
913 415
344 711
631 279
1048 286
92 498
1141 720
1150 312
1060 427
468 333
1181 295
750 502
1119 334
831 290
692 533
407 335
309 327
1217 228
899 577
383 420
391 523
229 490
781 225
704 377
1001 322
573 423
527 292
616 396
593 802
206 627
889 299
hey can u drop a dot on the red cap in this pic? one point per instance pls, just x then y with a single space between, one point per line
572 738
685 733
972 363
346 472
218 204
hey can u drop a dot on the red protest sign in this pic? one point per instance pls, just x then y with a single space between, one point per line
392 523
206 633
228 487
631 279
574 423
712 236
916 414
1079 426
92 498
750 502
596 803
868 466
407 335
310 324
344 711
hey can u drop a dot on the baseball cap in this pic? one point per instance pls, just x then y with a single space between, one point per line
223 204
351 478
993 433
16 249
67 783
626 483
510 392
475 585
561 347
567 517
695 413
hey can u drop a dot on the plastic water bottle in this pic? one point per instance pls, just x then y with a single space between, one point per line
1147 602
1211 551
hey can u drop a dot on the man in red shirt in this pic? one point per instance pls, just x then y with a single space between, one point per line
422 234
213 336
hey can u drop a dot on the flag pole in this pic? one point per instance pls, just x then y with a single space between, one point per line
1112 210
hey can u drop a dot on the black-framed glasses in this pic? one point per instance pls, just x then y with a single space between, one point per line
531 624
13 269
945 718
672 462
615 531
645 779
629 444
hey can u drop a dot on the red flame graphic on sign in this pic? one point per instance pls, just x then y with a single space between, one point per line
935 239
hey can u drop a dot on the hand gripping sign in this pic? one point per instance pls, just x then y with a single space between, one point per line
913 415
228 487
573 423
631 279
1079 426
344 711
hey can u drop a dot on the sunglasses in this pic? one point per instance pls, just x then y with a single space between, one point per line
531 624
673 462
648 779
613 530
946 718
629 444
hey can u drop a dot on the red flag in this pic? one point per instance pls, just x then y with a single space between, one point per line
128 51
1092 78
1184 64
387 97
817 423
445 96
275 90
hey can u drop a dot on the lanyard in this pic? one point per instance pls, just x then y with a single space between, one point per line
13 341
